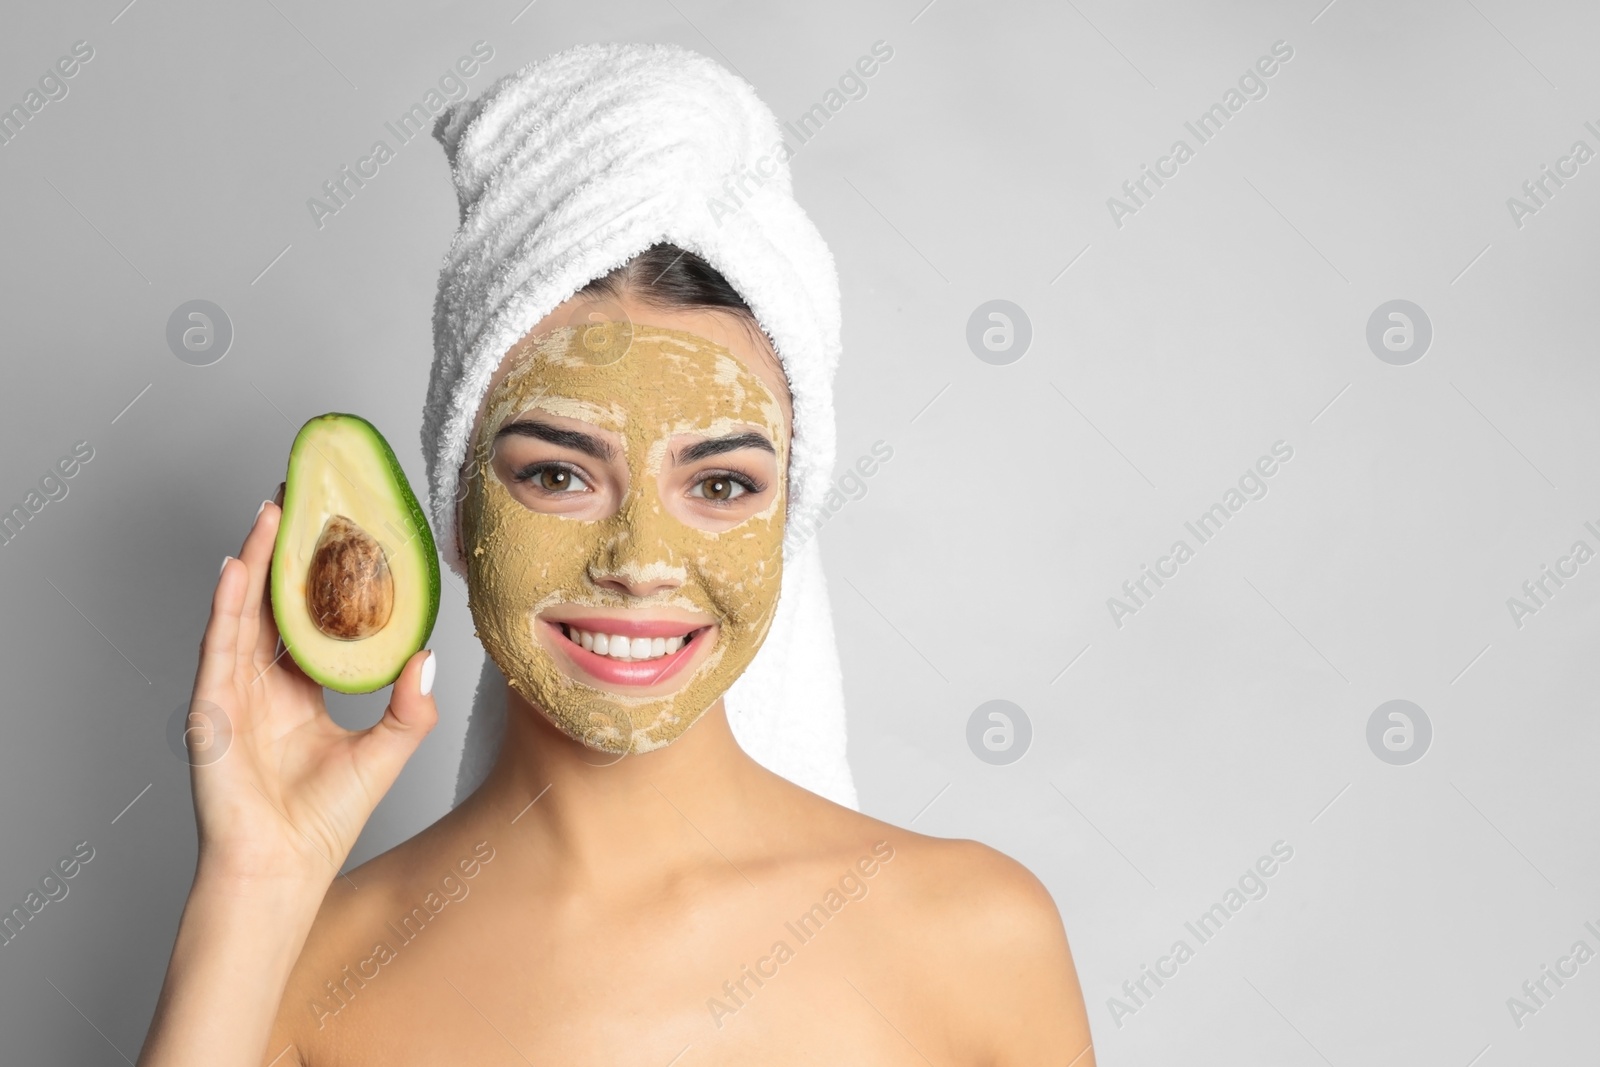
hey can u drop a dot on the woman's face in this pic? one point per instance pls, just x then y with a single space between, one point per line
623 518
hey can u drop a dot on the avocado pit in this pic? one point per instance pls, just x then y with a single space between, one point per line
349 588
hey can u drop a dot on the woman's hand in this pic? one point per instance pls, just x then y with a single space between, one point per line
281 791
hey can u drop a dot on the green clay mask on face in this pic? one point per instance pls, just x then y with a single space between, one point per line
661 554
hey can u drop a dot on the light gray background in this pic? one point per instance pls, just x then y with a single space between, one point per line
1229 313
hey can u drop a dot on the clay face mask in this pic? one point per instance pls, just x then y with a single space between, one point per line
672 558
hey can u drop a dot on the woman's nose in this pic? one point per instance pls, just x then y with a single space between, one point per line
636 560
633 582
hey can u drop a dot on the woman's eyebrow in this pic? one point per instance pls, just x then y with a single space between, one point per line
716 446
576 440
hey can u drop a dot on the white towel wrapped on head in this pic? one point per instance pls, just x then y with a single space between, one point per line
564 170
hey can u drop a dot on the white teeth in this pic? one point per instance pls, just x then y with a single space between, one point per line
625 648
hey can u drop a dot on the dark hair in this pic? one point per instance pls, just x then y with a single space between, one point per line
666 276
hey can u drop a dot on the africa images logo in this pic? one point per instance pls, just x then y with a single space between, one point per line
412 123
1252 85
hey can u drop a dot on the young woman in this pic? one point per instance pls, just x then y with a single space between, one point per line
627 885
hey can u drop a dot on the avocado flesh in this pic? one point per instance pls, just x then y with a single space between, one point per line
355 577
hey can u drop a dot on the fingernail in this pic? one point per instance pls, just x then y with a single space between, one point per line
262 508
224 566
429 666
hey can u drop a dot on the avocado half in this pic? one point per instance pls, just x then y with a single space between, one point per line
355 576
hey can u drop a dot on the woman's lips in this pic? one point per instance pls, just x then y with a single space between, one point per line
641 636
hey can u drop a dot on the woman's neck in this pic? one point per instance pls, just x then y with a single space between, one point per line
589 817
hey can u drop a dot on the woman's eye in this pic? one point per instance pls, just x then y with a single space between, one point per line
720 488
553 479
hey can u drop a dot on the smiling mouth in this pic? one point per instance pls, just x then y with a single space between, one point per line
629 649
631 660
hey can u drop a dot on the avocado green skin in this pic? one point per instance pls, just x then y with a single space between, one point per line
419 522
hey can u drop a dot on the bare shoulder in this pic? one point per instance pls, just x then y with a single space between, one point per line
977 905
995 938
358 903
986 942
973 893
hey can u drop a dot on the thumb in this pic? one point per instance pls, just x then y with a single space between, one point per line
411 714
